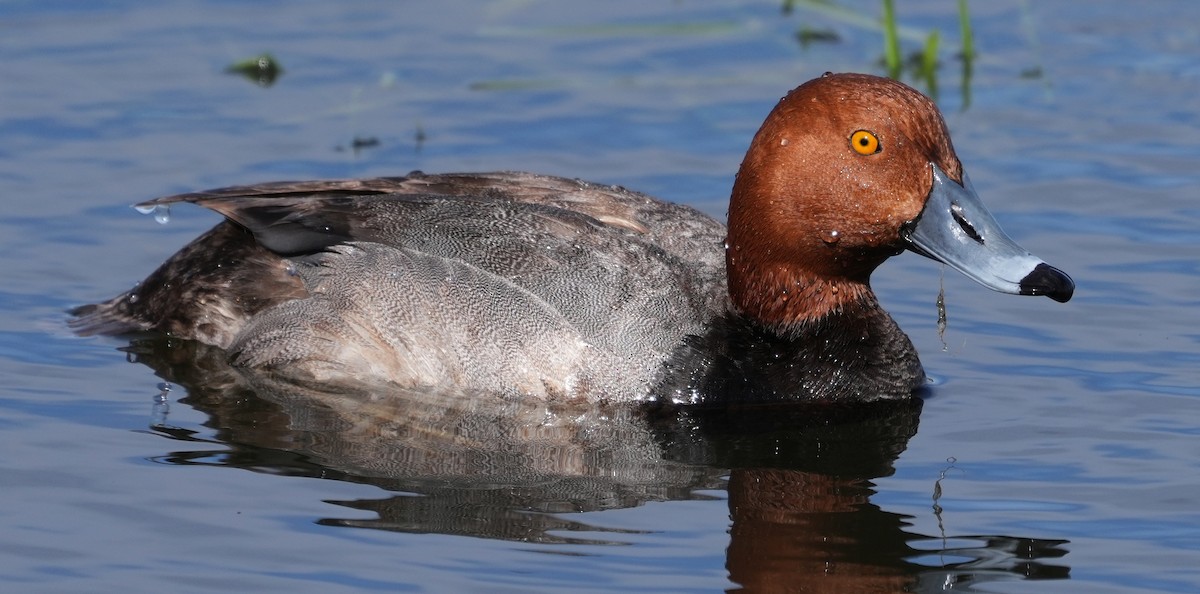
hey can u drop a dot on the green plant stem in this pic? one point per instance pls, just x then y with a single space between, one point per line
891 40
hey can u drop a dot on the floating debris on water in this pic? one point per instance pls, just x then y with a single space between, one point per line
808 36
262 70
359 144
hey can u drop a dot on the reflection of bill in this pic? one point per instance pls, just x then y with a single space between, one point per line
798 476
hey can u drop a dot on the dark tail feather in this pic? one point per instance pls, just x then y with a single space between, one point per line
112 317
205 292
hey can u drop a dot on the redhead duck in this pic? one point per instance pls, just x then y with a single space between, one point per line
537 286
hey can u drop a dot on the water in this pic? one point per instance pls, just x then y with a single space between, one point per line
1057 450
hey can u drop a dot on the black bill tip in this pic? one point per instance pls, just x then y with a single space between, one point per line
1049 281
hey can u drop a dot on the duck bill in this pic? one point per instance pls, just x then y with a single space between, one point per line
956 229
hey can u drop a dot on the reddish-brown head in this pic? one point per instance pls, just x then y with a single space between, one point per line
840 164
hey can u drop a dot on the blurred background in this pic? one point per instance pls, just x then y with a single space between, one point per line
1058 443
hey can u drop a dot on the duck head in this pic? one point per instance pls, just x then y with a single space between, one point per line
847 171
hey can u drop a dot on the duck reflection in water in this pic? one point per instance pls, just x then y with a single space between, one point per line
798 474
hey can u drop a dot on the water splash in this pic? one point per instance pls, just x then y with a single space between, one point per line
162 406
161 212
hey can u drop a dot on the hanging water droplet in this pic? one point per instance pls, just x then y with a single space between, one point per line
161 212
133 298
941 308
831 237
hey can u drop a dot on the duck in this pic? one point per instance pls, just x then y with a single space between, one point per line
535 286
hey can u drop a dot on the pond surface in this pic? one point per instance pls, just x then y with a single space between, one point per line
1057 451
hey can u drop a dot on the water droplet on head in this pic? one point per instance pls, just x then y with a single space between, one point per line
783 142
831 237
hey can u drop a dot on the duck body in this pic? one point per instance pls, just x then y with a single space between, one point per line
538 286
505 281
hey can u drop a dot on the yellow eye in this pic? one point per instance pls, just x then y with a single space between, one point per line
864 142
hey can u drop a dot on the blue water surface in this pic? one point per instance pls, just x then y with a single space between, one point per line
1057 451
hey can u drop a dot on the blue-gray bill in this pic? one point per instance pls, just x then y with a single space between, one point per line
955 228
